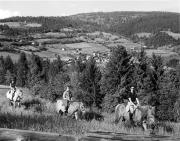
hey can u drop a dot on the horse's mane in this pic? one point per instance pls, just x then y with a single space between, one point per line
145 109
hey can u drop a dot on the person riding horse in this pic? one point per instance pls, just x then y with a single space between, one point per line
13 86
67 95
133 101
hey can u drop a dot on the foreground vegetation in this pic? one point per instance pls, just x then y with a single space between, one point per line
66 125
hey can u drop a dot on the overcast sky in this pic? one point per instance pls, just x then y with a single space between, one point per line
10 8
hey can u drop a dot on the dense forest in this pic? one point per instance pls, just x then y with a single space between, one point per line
101 88
129 23
156 40
126 23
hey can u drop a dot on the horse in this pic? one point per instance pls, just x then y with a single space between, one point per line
121 113
143 115
75 108
18 95
61 106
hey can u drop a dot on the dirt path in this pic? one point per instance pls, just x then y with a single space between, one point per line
25 135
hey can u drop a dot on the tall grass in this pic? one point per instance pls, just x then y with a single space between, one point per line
44 123
41 116
66 125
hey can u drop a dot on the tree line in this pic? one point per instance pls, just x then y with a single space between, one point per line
156 40
100 87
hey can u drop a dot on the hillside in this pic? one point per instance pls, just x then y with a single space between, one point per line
128 23
90 33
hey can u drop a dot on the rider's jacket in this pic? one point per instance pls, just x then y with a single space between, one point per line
12 84
67 95
133 96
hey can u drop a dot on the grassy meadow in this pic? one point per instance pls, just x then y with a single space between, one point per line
40 115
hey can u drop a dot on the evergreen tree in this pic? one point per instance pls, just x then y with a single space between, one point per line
116 78
8 77
44 74
55 67
168 96
35 70
90 84
156 74
2 70
9 64
22 70
140 75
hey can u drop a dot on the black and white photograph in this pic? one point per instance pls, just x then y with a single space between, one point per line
89 70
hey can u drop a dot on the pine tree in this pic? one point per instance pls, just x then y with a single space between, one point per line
156 74
90 84
2 70
140 75
9 64
35 70
8 77
168 96
116 78
22 70
55 67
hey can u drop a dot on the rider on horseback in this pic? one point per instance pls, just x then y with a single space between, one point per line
132 101
13 86
67 95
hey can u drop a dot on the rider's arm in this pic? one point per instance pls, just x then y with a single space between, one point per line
64 95
137 100
129 99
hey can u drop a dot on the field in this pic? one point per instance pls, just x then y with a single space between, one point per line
14 56
174 35
163 53
143 34
21 24
42 117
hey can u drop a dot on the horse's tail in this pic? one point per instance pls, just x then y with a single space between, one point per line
117 117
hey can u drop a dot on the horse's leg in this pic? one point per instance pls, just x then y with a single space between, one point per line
117 118
144 125
60 112
76 115
10 103
18 104
14 104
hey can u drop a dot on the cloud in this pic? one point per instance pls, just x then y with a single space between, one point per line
7 13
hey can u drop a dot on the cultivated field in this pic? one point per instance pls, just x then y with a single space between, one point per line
14 56
40 115
174 35
20 24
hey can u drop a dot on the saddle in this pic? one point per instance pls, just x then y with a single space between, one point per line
13 93
68 104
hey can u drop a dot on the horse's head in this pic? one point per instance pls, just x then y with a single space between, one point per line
19 95
132 108
151 115
151 110
82 107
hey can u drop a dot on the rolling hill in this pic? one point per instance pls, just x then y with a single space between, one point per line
100 31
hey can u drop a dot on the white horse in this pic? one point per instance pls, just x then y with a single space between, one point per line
15 98
75 108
